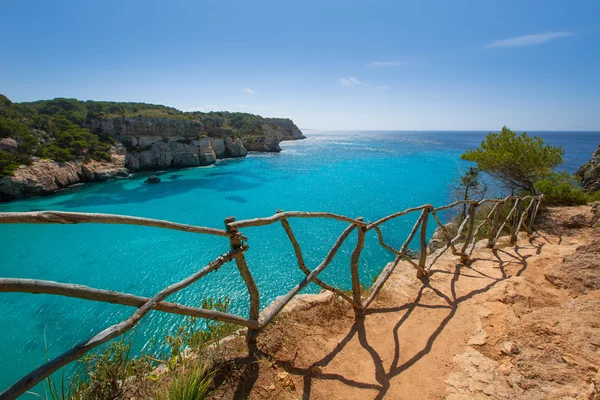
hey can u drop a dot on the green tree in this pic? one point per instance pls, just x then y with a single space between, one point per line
517 161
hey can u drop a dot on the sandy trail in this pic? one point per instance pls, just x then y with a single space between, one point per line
443 337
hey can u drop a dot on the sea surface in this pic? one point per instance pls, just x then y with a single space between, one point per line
369 174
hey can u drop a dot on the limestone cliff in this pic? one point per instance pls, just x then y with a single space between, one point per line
590 173
74 139
47 176
158 143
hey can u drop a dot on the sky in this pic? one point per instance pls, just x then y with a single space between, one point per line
331 65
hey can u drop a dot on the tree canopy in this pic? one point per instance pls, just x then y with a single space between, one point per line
517 161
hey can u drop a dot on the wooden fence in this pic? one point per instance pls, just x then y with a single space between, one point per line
490 213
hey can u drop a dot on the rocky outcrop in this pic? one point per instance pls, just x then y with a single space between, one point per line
47 176
152 179
590 173
159 143
9 145
234 148
218 146
278 130
292 131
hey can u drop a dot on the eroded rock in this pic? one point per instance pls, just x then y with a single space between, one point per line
590 173
47 176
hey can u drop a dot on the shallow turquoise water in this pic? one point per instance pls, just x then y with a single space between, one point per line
369 174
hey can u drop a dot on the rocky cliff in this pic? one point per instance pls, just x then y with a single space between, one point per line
590 173
158 143
47 176
50 144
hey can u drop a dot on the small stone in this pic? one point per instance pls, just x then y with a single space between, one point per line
509 348
315 370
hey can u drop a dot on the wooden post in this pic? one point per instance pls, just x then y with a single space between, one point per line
516 216
423 244
494 226
533 214
464 258
240 261
360 243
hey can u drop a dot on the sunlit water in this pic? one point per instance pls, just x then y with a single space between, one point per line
368 174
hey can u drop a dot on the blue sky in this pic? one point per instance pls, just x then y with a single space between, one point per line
476 65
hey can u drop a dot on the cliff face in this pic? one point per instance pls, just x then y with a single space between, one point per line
590 173
158 143
47 176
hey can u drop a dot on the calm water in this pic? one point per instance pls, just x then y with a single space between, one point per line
369 174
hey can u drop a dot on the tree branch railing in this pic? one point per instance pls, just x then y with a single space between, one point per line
494 219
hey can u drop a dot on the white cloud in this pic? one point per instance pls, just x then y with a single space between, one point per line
350 81
248 91
379 64
383 87
530 40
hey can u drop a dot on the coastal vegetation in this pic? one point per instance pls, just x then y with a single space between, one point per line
59 129
522 164
191 357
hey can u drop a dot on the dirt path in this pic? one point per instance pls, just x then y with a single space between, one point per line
495 329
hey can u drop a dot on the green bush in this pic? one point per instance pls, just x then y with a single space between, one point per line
561 189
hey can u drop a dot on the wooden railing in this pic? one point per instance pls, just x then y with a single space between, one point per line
521 216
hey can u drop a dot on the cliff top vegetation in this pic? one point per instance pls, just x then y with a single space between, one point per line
58 129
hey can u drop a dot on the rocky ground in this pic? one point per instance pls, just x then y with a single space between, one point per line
519 322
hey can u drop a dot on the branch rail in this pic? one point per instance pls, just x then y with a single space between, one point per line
514 221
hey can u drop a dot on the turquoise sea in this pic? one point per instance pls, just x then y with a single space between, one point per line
368 174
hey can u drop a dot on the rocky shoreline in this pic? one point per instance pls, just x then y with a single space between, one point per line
147 144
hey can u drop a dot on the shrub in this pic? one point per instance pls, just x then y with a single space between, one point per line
193 384
561 189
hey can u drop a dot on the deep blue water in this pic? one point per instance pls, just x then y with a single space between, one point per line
369 174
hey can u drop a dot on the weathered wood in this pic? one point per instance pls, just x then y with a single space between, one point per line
403 256
464 258
451 205
478 228
535 211
400 255
423 244
445 231
354 258
505 222
61 217
396 215
256 322
524 215
236 243
438 253
34 286
274 308
290 234
513 235
291 214
40 373
494 226
412 232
